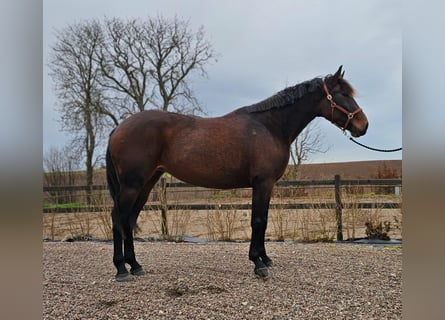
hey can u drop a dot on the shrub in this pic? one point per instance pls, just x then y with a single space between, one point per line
378 231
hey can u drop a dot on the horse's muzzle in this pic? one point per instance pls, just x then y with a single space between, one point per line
358 132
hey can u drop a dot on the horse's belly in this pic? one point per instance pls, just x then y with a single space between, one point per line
214 183
203 177
211 172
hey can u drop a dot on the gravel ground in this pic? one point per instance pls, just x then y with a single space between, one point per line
216 281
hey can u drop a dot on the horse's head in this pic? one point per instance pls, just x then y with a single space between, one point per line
339 105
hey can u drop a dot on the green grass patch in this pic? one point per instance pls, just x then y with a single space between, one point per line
71 205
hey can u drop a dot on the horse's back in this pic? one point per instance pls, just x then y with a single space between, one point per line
154 119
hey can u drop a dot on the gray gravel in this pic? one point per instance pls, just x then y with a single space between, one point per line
216 281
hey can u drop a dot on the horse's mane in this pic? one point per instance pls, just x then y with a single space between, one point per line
285 97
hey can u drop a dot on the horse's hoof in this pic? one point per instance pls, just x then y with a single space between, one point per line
123 277
263 272
138 272
268 262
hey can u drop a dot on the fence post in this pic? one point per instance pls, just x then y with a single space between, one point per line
164 225
338 208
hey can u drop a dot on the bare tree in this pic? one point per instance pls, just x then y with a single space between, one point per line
59 166
151 61
61 161
308 142
80 96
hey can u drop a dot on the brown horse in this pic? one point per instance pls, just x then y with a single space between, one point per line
248 147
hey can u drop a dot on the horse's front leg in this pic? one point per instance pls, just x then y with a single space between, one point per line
260 207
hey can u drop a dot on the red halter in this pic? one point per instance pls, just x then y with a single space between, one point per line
340 108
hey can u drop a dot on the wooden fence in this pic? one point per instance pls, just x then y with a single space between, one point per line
389 184
336 186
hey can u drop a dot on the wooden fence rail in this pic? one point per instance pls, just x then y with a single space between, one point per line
236 206
346 182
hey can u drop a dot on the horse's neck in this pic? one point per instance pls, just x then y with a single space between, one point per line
289 121
297 122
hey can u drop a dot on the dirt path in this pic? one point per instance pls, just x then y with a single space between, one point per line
216 281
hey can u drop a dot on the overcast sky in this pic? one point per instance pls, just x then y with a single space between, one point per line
263 47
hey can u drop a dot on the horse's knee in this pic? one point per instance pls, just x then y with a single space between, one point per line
258 221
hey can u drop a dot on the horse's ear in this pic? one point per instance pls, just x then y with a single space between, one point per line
338 74
342 74
332 80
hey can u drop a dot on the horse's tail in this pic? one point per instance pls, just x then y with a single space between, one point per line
114 188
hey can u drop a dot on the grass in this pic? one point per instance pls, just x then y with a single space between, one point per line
72 205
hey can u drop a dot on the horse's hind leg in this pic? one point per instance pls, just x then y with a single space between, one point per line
118 257
129 254
122 230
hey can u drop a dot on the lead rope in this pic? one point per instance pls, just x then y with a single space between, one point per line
375 149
